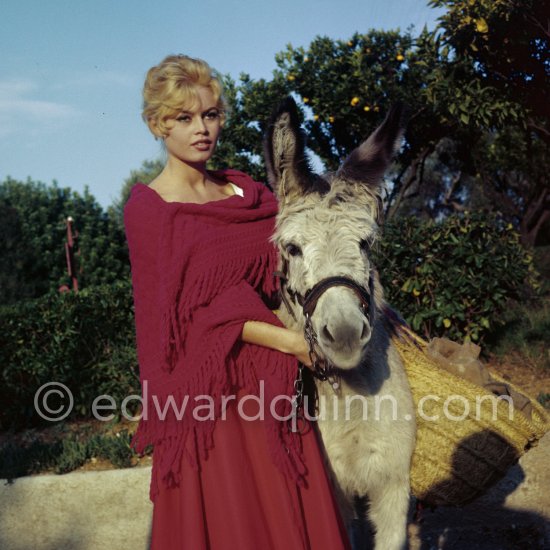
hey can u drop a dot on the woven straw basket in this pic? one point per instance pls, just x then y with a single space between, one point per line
466 438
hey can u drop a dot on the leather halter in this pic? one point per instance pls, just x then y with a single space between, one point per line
309 303
309 300
312 296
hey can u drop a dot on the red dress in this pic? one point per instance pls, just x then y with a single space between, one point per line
228 484
239 500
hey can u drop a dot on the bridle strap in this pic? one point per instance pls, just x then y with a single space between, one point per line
312 296
281 275
309 301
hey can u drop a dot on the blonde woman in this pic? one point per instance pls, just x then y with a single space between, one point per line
217 368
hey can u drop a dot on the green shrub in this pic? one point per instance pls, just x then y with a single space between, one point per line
33 234
541 259
83 340
18 461
453 277
74 454
115 448
64 454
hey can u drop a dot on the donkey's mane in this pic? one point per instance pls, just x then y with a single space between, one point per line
352 199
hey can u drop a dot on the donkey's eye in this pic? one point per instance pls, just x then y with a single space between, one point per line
293 250
365 244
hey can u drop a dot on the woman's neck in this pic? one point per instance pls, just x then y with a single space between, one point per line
181 174
185 182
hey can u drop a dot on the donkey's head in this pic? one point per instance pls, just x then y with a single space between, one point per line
325 229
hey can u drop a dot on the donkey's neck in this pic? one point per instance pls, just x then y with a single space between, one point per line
374 368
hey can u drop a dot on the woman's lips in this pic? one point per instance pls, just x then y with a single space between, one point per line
203 145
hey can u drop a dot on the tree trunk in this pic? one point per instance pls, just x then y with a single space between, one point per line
535 216
415 174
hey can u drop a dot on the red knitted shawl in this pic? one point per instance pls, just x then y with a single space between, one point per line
198 273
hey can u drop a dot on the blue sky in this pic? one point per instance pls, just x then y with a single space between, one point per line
71 71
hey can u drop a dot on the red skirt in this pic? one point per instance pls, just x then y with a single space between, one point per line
239 499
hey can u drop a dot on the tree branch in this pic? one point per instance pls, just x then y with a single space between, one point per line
418 163
538 24
452 188
543 132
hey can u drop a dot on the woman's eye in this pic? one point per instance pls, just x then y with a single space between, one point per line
213 115
183 118
293 250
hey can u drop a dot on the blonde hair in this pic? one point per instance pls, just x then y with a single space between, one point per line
171 86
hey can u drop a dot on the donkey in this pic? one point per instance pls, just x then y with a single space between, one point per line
325 229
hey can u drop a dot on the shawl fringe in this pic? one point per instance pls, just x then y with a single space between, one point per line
178 312
215 262
168 422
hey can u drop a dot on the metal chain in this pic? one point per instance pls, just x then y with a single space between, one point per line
299 388
311 339
323 373
298 420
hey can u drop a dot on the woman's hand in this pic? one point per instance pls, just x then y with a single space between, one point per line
279 338
301 348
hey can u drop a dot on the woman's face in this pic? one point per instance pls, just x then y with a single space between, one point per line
193 134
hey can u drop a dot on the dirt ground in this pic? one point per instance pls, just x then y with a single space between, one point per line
514 514
532 379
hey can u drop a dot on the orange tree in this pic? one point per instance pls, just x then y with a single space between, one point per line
508 40
456 157
460 118
506 43
455 117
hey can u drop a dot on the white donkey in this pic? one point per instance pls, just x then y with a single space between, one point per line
325 229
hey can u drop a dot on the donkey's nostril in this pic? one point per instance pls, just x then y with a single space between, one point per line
365 332
327 334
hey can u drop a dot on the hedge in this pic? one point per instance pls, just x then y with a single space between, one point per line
84 340
455 277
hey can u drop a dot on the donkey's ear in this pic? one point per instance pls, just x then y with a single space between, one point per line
368 162
288 168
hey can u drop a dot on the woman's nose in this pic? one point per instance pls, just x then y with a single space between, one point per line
200 126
